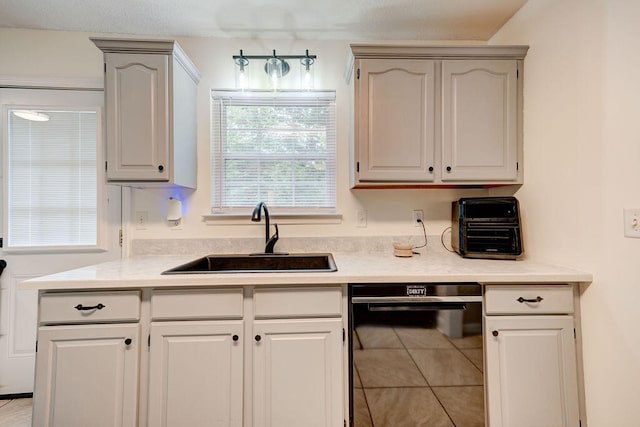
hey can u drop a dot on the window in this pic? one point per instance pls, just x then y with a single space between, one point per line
276 147
51 188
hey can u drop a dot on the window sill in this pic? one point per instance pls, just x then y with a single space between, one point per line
280 218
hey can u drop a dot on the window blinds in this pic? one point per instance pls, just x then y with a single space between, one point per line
276 147
52 180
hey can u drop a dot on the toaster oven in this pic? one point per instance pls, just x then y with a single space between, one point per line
486 227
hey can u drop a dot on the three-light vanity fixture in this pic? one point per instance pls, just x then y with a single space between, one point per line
276 67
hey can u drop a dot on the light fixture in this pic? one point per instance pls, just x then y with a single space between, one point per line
242 71
306 72
276 67
34 116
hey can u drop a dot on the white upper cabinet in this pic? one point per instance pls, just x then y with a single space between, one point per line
436 115
395 135
150 103
479 120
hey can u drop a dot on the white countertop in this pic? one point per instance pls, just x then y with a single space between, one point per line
433 265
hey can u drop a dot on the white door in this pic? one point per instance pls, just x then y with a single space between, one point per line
396 126
87 376
479 120
297 373
533 379
196 373
137 117
18 308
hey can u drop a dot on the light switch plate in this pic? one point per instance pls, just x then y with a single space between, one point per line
361 218
632 222
141 219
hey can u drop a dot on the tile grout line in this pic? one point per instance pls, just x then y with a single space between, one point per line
424 376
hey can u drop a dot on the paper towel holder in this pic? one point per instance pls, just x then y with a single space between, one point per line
174 211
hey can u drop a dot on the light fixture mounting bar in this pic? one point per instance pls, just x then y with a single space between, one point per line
242 56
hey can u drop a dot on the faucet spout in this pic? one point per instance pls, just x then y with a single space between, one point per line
270 242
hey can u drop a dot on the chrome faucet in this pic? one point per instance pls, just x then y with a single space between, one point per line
255 217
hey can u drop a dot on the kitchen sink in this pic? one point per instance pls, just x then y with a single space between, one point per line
257 263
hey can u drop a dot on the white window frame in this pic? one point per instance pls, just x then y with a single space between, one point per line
294 215
66 99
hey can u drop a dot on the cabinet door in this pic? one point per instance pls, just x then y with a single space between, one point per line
395 130
298 373
195 374
479 118
137 91
531 366
87 375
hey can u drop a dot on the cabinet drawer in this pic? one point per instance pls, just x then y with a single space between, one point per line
298 302
516 299
197 304
90 307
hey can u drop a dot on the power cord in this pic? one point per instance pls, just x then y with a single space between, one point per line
442 239
424 231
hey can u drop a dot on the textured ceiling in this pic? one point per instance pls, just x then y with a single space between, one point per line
289 19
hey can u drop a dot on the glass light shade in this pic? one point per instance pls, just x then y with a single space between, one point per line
242 73
306 73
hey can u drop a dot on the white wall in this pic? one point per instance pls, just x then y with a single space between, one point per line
582 153
27 53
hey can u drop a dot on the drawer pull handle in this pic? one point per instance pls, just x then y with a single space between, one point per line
258 338
80 307
235 338
495 333
128 341
536 299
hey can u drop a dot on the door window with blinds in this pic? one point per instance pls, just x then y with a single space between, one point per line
275 147
51 195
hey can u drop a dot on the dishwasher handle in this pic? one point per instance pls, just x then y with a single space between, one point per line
430 303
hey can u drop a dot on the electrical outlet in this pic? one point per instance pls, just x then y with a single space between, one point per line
632 222
361 218
141 219
417 215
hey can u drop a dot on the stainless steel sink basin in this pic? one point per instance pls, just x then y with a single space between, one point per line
257 263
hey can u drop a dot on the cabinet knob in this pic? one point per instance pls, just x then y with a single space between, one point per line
495 333
448 168
235 338
258 338
128 341
430 168
160 168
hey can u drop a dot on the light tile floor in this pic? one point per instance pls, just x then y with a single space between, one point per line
416 377
15 413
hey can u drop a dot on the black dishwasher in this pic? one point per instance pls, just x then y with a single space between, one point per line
416 354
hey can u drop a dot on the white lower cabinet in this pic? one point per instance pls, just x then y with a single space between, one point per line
298 373
87 375
196 373
270 356
531 365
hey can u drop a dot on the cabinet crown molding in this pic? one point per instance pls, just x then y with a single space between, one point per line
153 47
439 51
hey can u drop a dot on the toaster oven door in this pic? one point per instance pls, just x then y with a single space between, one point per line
492 239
